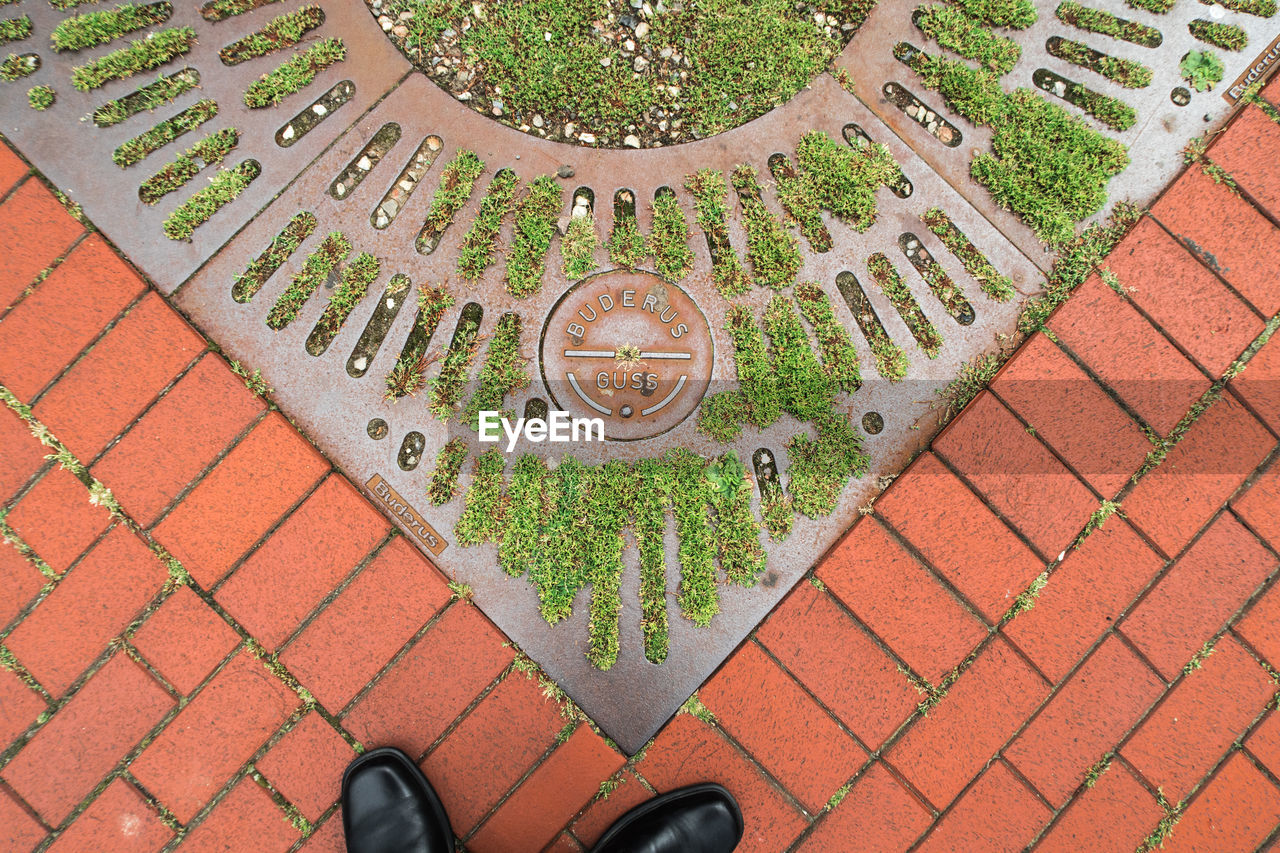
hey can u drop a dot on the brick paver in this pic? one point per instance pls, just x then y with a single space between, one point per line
1055 721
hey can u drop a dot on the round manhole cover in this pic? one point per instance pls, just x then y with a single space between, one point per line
630 349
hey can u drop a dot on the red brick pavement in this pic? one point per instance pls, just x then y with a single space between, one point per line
185 667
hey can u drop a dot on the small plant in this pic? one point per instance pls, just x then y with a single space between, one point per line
535 218
136 149
283 245
15 29
223 188
954 30
1099 517
211 150
279 33
1202 69
669 240
998 287
141 55
1225 36
41 97
94 28
694 707
972 379
774 255
163 91
578 246
709 191
1026 599
457 180
503 372
476 253
317 267
444 477
557 569
820 468
627 247
1095 772
253 381
295 74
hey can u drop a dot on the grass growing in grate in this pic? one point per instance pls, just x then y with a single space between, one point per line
283 245
837 178
557 568
1047 166
957 32
709 191
896 291
819 468
223 189
476 252
1225 36
484 511
144 54
690 499
1261 8
94 28
163 91
525 502
607 515
503 372
144 144
294 75
1126 72
756 377
649 507
220 10
721 415
318 266
15 67
209 151
669 240
535 223
777 513
457 180
1015 14
14 29
444 477
772 250
40 98
409 373
279 33
627 246
736 534
804 389
578 246
356 278
446 389
839 357
1104 23
998 287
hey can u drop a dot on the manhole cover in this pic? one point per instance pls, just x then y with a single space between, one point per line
630 349
760 320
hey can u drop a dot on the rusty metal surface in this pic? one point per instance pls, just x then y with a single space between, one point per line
1155 141
634 698
65 144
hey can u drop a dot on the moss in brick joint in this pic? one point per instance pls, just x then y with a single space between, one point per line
998 287
280 32
317 267
535 224
40 98
485 511
295 74
772 250
503 372
136 149
476 253
444 477
409 373
15 29
709 191
957 32
896 291
141 55
224 188
669 240
209 151
94 28
578 246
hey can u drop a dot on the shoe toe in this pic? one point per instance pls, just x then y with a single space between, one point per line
388 807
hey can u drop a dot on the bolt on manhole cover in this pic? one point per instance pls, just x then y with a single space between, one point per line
748 331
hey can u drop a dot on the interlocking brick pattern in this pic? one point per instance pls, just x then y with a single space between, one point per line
190 664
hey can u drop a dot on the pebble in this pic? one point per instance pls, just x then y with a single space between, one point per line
360 363
565 171
629 45
569 128
320 110
386 23
364 164
288 132
433 143
537 121
399 31
640 64
587 138
642 30
606 61
632 141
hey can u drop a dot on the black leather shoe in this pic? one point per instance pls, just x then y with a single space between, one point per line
699 819
389 807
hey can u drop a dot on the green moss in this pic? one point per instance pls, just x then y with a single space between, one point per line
690 496
503 372
40 98
837 178
283 245
136 149
536 215
457 180
722 414
756 377
15 29
557 568
220 10
1126 72
484 515
361 272
409 373
957 32
94 28
999 287
62 4
279 33
1261 8
225 186
709 191
819 468
15 67
649 506
607 514
446 389
525 511
578 247
776 510
1110 111
1202 69
974 376
774 255
804 389
317 267
1225 36
209 151
1015 14
165 90
1103 22
839 357
1046 165
737 535
476 252
141 55
896 291
627 247
669 240
294 75
1159 7
444 477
